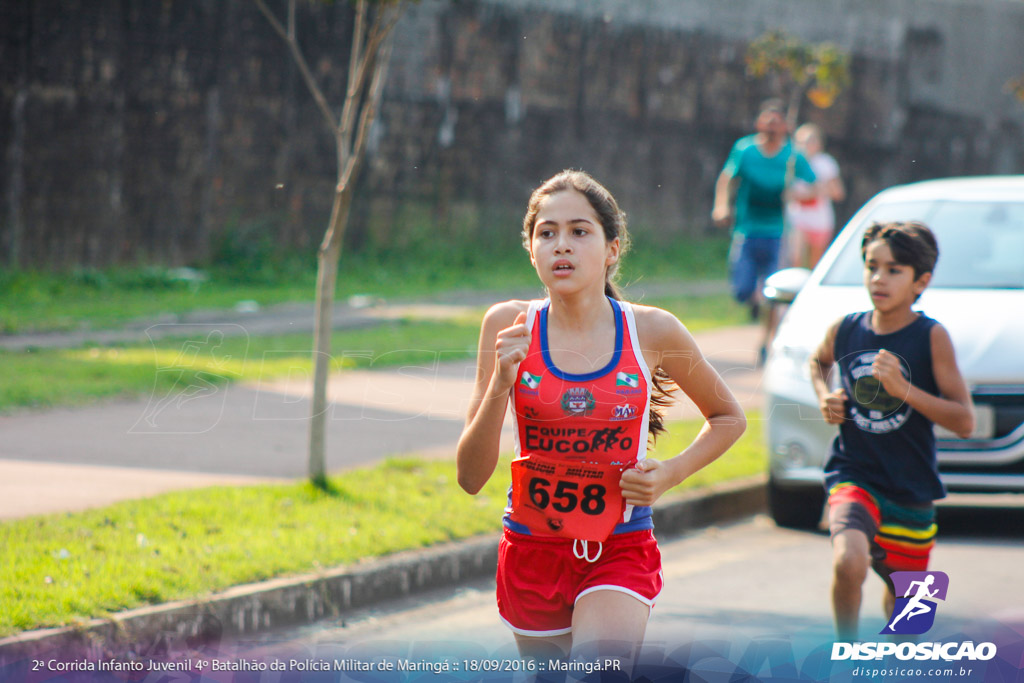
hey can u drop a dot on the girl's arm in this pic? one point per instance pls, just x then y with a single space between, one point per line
834 189
678 355
952 408
504 341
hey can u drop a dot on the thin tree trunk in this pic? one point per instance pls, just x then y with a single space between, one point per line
330 251
327 278
370 54
796 98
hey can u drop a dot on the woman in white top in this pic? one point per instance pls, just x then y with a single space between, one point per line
812 221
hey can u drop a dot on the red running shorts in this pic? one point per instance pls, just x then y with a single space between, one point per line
540 578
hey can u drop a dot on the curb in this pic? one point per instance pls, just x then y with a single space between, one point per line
295 601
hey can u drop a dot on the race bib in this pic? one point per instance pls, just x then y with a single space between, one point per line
568 499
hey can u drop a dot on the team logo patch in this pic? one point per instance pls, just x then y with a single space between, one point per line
916 593
625 379
531 381
872 408
578 401
626 412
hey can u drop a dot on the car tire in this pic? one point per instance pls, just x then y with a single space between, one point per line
795 508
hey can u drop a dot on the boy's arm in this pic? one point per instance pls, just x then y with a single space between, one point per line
831 403
952 408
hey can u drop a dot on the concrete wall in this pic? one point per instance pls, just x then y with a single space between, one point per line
139 131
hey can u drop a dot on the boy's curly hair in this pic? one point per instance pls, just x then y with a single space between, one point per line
912 243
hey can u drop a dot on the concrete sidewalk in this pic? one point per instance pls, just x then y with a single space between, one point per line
72 459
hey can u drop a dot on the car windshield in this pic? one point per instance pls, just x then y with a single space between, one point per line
981 244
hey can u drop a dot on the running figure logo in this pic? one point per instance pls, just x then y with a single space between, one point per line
916 592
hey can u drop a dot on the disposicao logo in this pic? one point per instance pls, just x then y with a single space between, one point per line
916 593
913 614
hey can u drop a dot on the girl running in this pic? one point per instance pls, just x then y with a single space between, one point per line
585 371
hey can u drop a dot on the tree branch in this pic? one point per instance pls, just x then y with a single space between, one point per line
288 36
366 119
378 32
355 63
373 99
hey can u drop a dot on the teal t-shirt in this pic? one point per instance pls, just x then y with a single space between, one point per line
762 179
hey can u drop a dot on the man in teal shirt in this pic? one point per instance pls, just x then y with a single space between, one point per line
759 170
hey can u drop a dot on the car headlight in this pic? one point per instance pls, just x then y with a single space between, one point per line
792 454
791 359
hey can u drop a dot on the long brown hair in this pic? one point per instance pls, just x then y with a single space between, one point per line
613 223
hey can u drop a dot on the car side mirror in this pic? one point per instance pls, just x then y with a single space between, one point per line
782 287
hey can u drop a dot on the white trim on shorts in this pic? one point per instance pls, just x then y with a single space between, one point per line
566 631
535 634
619 589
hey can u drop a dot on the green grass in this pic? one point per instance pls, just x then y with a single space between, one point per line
97 299
33 302
745 458
46 378
701 313
62 569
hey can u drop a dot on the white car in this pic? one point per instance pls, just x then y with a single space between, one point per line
977 293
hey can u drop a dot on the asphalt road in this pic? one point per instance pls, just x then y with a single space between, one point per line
727 590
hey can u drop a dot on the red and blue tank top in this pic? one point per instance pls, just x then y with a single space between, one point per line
575 434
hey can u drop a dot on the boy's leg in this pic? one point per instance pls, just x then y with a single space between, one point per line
853 523
889 595
851 558
906 544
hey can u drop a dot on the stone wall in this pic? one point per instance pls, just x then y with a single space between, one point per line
136 131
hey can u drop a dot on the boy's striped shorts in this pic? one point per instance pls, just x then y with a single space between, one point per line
902 536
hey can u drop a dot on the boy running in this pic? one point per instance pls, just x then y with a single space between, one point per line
898 376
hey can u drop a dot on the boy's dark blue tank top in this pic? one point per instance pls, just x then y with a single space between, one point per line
884 443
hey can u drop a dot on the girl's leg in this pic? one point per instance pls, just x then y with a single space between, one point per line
816 250
609 625
817 247
543 649
798 247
